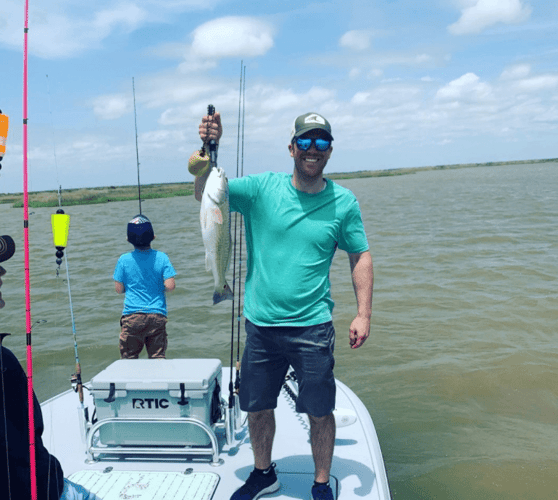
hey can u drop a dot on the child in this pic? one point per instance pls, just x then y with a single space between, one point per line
144 275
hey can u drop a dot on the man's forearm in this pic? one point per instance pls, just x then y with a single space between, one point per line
362 272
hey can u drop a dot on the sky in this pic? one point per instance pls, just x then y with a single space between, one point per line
404 83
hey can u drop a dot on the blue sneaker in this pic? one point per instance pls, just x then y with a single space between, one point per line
258 484
321 492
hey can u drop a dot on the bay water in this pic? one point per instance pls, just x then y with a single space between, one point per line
460 373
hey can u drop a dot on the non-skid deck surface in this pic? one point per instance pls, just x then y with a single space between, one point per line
126 485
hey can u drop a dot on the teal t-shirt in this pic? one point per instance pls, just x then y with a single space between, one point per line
143 274
292 237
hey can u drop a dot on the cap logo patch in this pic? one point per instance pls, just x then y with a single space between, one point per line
139 220
314 118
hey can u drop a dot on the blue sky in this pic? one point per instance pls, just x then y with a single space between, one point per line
404 83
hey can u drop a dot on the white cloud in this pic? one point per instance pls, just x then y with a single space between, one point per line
63 29
111 107
356 40
423 58
196 65
160 139
57 35
360 98
515 72
538 83
549 116
272 99
355 73
466 87
375 73
226 101
232 37
485 13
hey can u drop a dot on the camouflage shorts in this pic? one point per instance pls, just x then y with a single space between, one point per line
141 329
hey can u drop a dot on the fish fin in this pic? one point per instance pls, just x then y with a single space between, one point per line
224 294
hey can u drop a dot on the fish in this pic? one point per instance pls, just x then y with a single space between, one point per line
216 233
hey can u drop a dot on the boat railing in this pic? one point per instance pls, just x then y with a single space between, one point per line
93 450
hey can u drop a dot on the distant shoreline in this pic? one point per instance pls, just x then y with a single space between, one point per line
90 196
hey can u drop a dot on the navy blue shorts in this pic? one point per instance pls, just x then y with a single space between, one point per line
269 351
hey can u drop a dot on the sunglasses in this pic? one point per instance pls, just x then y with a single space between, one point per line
320 144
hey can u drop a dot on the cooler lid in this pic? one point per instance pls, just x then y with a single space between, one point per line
158 374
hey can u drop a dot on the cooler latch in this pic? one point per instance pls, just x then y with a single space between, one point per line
182 401
112 392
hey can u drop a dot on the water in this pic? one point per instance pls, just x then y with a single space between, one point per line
460 373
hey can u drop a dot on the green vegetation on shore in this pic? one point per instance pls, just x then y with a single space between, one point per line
414 170
89 196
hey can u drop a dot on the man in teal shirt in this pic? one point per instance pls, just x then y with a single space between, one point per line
294 224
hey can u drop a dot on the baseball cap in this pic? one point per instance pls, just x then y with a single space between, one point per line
7 247
310 121
140 231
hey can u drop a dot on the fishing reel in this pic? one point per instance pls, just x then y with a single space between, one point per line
200 162
75 380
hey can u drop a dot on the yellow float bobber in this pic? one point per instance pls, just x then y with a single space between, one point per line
60 228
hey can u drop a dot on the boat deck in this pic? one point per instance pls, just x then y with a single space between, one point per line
357 470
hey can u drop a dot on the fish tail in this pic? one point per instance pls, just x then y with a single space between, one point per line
224 293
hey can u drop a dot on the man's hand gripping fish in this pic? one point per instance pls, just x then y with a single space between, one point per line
215 226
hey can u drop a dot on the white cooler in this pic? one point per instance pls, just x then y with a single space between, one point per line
157 389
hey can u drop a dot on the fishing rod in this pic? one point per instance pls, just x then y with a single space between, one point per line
60 223
29 349
137 150
212 143
234 408
231 387
239 157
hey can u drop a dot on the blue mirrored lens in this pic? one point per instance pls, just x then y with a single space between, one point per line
304 144
320 144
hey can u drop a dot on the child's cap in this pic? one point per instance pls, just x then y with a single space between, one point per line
140 231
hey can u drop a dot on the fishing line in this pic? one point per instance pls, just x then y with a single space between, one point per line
137 150
53 139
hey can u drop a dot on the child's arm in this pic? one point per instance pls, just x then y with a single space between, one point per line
169 285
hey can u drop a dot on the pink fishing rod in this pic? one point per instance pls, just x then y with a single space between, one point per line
30 402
